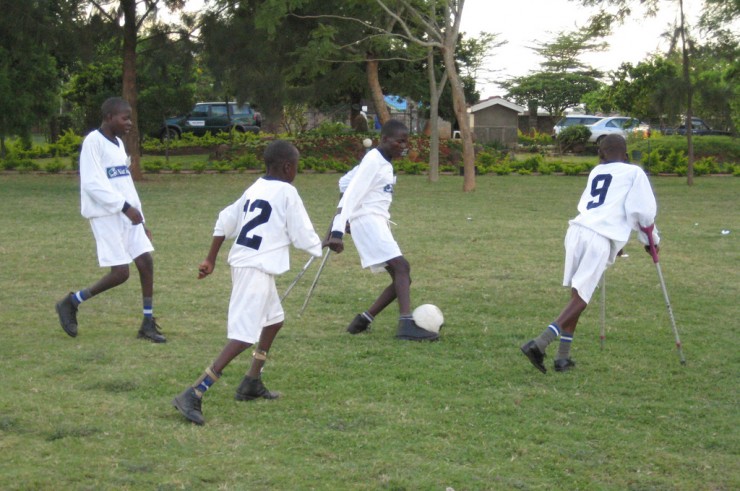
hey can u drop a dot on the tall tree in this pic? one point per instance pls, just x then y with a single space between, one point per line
440 25
563 79
33 57
134 14
720 12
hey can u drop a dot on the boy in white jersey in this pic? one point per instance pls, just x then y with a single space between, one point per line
265 221
617 200
110 201
365 205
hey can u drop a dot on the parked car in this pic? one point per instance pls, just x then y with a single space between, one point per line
698 127
619 125
213 117
572 120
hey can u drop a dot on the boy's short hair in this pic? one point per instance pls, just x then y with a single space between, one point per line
279 152
391 127
114 105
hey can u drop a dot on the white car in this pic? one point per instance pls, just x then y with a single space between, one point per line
572 120
619 125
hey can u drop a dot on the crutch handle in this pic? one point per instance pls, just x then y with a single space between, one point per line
651 243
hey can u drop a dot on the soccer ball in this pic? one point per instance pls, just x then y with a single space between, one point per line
428 317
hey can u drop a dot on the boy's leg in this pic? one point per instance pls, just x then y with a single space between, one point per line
149 328
400 271
67 307
251 387
362 321
563 327
188 402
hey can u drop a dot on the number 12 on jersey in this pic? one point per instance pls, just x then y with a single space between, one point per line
599 188
265 210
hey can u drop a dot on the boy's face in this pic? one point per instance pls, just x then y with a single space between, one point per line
120 122
291 169
396 144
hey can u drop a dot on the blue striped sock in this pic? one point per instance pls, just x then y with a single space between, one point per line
148 309
564 349
80 296
549 335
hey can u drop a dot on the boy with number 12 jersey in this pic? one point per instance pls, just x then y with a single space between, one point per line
617 200
265 221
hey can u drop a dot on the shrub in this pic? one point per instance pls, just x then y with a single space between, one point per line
222 166
328 128
199 167
74 161
502 169
69 143
27 165
247 161
546 169
152 166
574 135
572 170
409 167
55 166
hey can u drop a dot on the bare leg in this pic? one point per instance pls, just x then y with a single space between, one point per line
265 343
386 297
400 271
232 349
116 276
568 318
145 265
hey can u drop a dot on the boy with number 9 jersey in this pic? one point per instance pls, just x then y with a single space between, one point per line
617 200
265 221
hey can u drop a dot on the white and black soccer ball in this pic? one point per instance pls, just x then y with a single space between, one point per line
429 317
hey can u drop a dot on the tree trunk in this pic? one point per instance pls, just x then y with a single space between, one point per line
461 113
689 102
376 91
133 144
435 92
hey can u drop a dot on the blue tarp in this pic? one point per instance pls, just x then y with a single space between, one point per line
397 103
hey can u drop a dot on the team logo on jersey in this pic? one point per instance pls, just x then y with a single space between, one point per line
388 188
117 171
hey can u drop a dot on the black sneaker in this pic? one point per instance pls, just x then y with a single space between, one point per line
535 356
67 311
358 324
188 403
564 365
407 329
150 330
253 388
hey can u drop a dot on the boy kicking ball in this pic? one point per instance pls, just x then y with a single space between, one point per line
265 221
617 200
365 205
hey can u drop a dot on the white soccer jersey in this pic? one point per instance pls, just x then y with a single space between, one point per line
347 178
370 191
265 221
105 180
617 199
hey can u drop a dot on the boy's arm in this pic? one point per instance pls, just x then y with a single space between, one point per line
209 263
641 208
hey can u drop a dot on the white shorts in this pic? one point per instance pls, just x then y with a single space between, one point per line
119 241
374 241
586 258
254 304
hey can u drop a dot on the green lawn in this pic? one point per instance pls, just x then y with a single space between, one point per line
369 412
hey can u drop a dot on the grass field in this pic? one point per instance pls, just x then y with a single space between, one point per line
369 412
